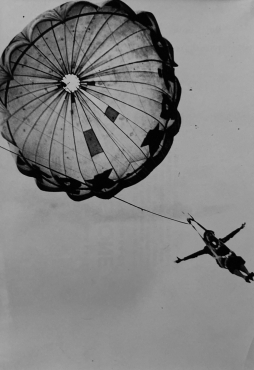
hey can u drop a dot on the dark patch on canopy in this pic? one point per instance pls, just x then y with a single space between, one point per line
92 142
102 180
153 140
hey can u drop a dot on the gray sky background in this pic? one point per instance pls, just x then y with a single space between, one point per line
93 285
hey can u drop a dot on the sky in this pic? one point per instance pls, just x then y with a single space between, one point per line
93 285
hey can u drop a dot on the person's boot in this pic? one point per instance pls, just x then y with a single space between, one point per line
251 276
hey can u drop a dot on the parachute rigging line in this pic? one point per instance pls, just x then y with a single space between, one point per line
122 200
191 218
146 210
196 230
216 256
42 165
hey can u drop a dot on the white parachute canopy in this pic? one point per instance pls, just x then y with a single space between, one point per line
88 97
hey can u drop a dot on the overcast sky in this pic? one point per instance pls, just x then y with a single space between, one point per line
93 285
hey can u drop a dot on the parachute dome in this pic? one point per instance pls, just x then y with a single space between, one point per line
88 98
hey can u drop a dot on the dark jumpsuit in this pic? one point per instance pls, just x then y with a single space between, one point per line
233 262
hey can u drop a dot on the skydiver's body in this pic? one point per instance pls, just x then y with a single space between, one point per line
225 258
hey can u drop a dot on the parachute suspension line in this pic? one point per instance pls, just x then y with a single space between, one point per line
56 141
146 210
218 258
111 135
196 229
38 98
119 145
60 115
102 82
122 200
199 225
117 44
122 57
191 218
88 62
42 165
53 111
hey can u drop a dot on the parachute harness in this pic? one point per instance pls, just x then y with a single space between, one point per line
215 255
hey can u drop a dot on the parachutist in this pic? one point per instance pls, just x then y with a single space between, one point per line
224 257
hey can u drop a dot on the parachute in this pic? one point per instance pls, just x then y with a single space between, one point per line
88 98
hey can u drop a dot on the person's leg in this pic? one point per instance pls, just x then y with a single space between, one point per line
244 269
238 273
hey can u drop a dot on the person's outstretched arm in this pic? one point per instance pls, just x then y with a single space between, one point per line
193 255
229 236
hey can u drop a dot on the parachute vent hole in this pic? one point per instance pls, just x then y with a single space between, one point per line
70 83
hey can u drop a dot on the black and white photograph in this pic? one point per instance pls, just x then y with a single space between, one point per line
127 185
